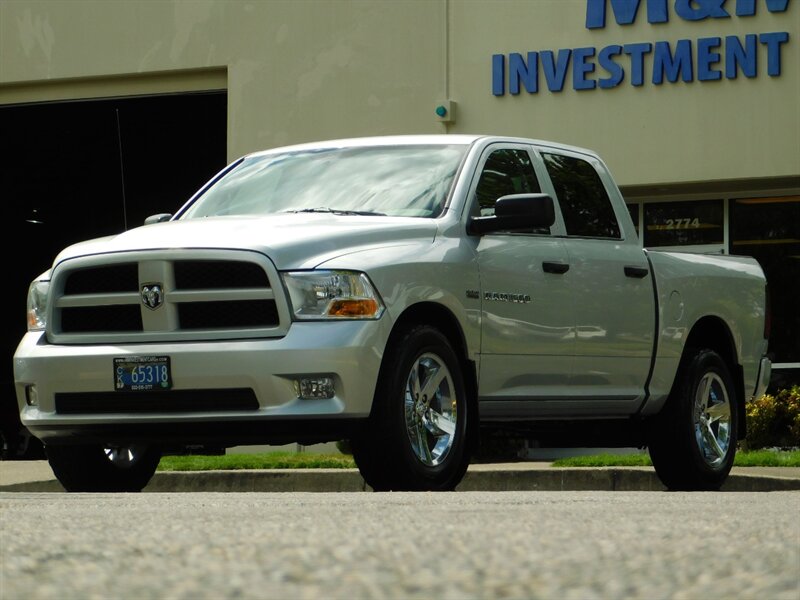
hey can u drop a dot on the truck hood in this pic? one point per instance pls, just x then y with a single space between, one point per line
292 241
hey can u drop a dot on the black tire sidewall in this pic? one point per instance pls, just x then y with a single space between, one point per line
86 468
675 452
416 475
706 362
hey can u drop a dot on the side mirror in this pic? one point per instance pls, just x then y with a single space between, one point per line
159 218
517 212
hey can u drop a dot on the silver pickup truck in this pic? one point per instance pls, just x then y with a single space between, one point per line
405 294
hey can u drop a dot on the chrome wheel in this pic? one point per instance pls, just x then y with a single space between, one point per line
712 419
124 457
430 409
418 434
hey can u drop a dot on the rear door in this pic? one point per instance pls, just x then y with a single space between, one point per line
610 283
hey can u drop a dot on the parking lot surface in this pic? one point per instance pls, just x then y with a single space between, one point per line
573 545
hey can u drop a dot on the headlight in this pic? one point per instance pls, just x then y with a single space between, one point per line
318 295
37 304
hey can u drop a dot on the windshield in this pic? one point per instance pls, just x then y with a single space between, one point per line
406 181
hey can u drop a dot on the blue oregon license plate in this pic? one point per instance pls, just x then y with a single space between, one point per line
142 373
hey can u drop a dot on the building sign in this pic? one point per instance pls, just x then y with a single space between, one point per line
688 223
703 59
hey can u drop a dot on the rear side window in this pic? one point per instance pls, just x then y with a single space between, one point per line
585 205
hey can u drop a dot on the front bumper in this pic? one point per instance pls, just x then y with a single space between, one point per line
348 351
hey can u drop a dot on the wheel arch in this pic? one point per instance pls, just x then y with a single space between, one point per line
713 333
441 318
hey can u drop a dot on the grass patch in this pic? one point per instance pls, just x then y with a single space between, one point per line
267 460
768 458
755 458
605 460
302 460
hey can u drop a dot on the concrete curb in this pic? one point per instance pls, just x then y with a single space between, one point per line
484 479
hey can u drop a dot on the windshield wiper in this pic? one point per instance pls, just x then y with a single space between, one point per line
336 211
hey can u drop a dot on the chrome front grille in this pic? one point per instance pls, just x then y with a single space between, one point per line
203 294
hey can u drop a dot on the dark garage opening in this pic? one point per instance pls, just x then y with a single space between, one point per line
76 170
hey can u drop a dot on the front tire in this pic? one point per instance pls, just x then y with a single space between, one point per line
97 468
416 438
693 443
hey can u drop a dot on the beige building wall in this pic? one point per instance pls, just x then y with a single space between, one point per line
317 69
295 71
675 132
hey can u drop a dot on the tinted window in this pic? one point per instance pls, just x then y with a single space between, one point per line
505 172
584 203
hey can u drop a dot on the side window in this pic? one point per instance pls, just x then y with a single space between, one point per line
585 205
506 171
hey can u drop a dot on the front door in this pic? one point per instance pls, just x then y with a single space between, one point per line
527 320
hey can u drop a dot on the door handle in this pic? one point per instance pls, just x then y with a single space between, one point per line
555 267
636 272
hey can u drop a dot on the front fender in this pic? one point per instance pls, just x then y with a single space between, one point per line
441 273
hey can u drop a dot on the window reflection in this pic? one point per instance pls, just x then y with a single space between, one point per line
687 223
505 172
411 181
584 203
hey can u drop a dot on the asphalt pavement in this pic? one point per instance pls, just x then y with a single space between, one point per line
36 476
581 545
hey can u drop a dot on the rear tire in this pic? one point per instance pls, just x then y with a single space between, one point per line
96 468
416 438
693 441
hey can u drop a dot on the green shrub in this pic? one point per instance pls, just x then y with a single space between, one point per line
774 420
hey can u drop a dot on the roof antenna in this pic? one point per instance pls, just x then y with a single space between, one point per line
122 176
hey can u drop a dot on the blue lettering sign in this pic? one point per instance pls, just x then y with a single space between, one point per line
697 10
519 70
747 8
581 68
706 58
616 72
625 11
665 63
637 52
740 57
773 43
498 74
555 71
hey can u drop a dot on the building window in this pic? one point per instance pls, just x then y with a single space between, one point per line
768 229
688 223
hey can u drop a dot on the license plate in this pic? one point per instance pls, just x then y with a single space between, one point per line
142 373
